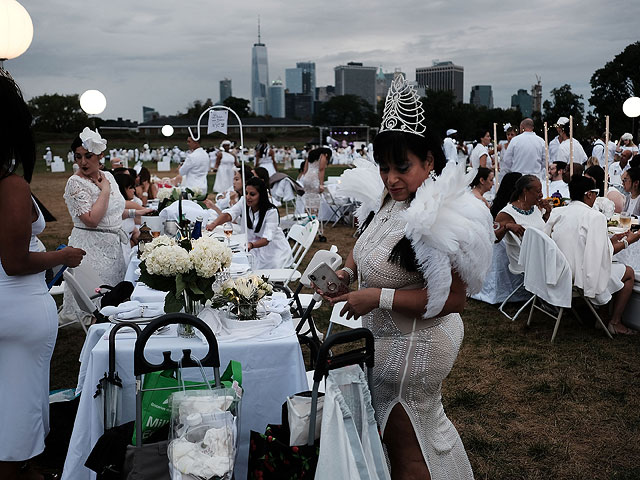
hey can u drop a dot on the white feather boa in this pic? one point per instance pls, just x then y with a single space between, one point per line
449 228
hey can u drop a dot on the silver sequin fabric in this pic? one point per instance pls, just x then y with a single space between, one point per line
412 356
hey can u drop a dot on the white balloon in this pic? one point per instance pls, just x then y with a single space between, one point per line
631 107
167 130
93 102
17 29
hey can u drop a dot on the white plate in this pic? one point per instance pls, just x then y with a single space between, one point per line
139 320
616 230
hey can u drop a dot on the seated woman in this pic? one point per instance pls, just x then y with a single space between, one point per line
482 184
525 210
631 185
230 197
132 209
581 234
265 239
146 189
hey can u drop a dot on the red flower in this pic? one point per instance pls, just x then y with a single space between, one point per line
295 449
269 438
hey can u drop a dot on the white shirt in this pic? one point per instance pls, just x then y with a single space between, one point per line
277 253
478 152
450 150
581 234
553 149
525 155
599 151
556 186
579 156
615 173
194 170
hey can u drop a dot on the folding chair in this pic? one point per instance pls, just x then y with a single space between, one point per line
302 237
84 284
516 270
342 210
553 284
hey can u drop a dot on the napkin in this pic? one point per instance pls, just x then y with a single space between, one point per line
278 303
133 309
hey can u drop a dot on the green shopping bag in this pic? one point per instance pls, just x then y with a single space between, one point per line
156 411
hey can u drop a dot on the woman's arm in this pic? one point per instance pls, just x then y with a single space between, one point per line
350 264
506 224
93 217
218 158
483 160
411 303
222 218
321 169
16 209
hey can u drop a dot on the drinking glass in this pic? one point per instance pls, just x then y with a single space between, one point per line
625 220
227 228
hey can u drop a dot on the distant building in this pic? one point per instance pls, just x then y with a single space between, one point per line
276 99
383 82
259 77
442 76
149 114
523 101
536 93
298 106
308 77
225 89
481 96
293 79
356 79
323 94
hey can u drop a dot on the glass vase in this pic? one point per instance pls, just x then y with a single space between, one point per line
247 311
191 307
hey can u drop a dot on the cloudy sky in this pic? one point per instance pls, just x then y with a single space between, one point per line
165 54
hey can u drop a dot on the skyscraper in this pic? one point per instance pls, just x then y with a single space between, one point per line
293 78
481 96
442 76
523 101
536 93
308 77
259 76
276 99
225 89
356 79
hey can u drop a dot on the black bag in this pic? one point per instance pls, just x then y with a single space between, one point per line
116 295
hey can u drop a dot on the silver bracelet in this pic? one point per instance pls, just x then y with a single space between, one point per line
626 242
386 298
351 273
132 213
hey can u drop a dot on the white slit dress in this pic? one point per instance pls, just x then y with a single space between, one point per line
412 356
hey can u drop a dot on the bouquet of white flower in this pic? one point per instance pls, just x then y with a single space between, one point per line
167 196
244 293
187 271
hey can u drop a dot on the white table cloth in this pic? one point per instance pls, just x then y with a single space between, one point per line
272 369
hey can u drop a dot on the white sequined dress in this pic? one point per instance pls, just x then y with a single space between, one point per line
412 355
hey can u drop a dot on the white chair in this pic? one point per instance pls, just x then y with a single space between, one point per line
84 283
302 237
514 270
337 319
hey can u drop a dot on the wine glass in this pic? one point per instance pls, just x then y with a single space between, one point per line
227 228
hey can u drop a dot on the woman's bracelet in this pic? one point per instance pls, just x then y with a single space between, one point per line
386 298
132 213
145 194
625 242
351 273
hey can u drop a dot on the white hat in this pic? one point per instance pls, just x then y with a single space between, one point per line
225 142
451 131
627 136
562 121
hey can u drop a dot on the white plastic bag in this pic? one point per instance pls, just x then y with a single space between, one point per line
299 411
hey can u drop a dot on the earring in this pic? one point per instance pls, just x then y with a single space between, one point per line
432 174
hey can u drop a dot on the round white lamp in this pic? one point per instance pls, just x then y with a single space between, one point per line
167 130
93 101
631 107
16 32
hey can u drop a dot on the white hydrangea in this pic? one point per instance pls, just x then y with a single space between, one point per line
162 240
163 193
168 260
209 256
196 191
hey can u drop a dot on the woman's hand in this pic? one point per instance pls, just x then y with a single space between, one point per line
209 204
144 211
359 302
72 256
343 276
102 183
210 226
515 228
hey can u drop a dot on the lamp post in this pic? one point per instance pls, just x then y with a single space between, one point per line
93 102
16 32
631 108
167 130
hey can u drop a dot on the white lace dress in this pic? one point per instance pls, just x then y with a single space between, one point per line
412 355
102 244
224 177
311 184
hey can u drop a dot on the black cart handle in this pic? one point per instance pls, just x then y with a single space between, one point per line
356 356
112 343
141 365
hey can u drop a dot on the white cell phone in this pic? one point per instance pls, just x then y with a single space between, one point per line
327 281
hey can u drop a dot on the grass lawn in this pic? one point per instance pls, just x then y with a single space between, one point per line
526 409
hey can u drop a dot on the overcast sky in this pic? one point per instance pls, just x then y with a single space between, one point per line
165 54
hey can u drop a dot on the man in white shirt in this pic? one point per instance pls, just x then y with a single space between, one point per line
526 152
600 149
564 150
195 168
556 182
449 146
616 169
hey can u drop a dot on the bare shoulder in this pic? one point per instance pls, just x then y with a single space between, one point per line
14 185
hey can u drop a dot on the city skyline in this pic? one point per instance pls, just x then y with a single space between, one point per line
166 57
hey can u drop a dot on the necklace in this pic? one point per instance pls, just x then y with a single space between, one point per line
522 212
386 214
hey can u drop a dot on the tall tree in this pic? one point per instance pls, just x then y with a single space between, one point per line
238 105
195 108
564 103
346 110
612 84
58 113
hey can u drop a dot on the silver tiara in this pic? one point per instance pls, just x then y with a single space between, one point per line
403 111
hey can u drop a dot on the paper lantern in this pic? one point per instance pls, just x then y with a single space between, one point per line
16 29
167 130
93 102
631 107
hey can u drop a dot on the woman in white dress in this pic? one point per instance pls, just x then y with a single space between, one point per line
313 178
224 168
480 156
265 239
28 318
410 294
96 208
265 157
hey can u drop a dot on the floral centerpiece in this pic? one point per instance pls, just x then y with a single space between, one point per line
244 293
166 196
186 271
